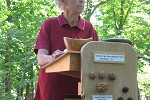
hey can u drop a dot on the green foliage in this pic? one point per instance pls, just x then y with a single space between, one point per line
135 27
20 22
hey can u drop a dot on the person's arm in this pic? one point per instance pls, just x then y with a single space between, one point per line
43 57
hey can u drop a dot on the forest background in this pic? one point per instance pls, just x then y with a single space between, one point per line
20 21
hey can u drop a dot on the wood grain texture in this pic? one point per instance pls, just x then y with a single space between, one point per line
68 64
126 73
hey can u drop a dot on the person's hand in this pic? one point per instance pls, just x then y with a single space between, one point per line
66 50
57 53
44 59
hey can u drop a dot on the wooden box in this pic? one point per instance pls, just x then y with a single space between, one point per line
68 64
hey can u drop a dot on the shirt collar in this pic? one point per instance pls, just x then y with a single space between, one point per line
62 21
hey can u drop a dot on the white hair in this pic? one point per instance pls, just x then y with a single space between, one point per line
59 3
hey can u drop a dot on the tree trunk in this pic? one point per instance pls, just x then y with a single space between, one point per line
7 79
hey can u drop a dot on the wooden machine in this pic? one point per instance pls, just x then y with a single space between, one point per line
107 70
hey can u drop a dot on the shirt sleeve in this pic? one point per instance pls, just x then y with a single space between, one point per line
92 31
43 38
95 35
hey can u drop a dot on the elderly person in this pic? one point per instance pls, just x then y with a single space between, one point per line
50 44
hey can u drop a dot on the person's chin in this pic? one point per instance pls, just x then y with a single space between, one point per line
80 11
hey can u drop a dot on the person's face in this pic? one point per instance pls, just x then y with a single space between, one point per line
75 5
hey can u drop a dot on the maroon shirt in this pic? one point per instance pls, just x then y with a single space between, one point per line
53 86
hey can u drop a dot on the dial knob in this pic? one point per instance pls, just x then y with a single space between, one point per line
112 76
101 74
92 75
130 98
125 89
102 87
120 98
